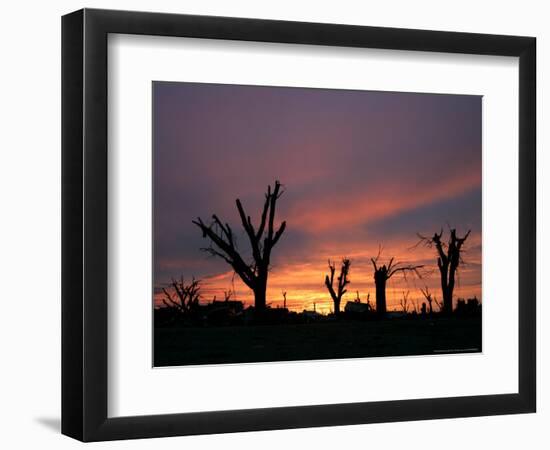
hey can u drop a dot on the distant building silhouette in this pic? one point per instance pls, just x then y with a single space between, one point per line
357 308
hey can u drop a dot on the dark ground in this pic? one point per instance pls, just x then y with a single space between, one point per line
178 346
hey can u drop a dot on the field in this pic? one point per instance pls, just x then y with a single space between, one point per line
179 345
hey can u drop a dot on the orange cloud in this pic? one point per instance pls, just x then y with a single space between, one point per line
363 207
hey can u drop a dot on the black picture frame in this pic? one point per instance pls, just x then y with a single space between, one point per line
84 224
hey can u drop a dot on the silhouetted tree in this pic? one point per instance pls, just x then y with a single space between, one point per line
262 240
284 299
448 260
342 282
428 296
185 296
383 273
368 300
403 302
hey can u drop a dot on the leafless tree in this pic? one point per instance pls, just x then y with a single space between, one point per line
428 296
184 297
262 241
342 281
383 273
404 302
449 257
284 299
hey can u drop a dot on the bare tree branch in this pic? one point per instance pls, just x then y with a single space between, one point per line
185 296
223 244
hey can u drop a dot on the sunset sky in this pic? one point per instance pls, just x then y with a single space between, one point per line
359 169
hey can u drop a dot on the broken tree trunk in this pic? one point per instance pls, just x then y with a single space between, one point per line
380 283
342 281
382 274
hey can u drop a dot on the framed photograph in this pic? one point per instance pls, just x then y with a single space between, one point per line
273 224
